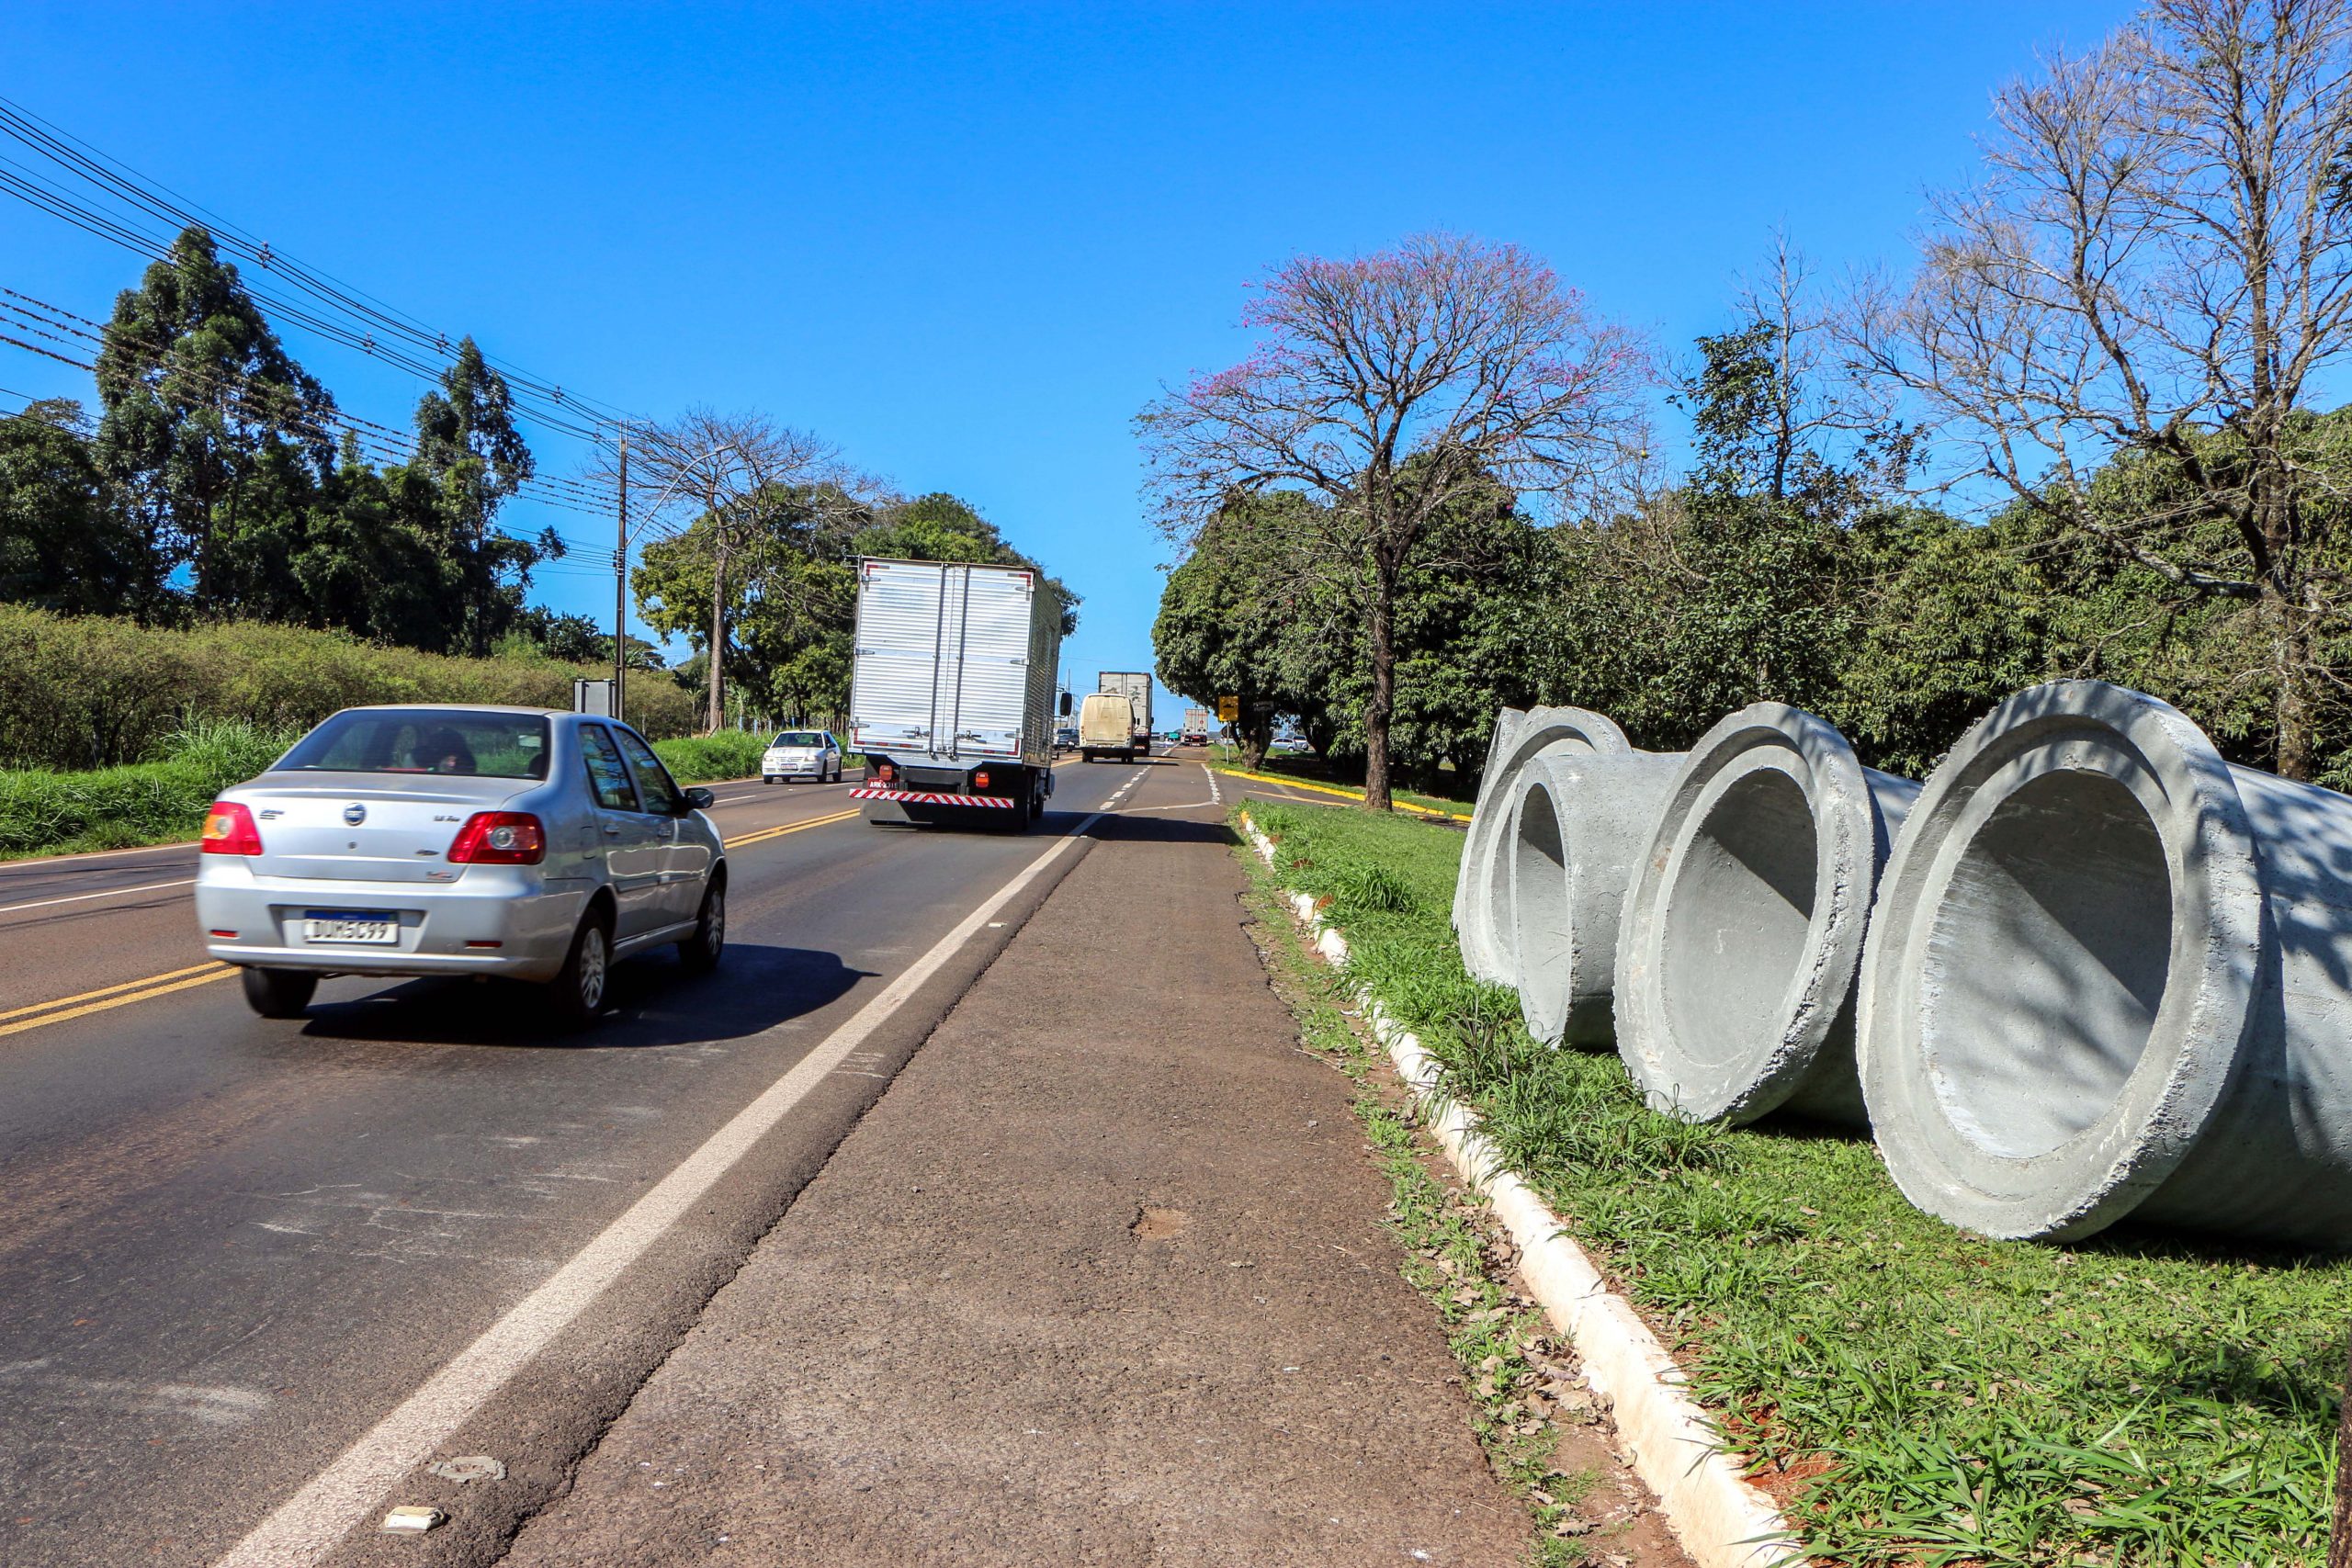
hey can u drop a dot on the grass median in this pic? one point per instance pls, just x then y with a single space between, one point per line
1310 774
1912 1392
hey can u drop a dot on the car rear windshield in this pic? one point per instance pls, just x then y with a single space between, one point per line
425 741
798 738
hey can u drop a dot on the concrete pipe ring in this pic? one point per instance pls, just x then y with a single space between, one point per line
1742 922
1576 823
1482 920
2061 974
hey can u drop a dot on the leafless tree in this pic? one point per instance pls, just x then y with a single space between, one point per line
741 478
2157 261
1814 404
1461 358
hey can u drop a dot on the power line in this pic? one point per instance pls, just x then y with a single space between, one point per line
381 440
591 555
541 402
110 174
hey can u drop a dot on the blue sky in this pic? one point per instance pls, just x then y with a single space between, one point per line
969 242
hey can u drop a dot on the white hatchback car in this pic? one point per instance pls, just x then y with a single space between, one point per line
802 755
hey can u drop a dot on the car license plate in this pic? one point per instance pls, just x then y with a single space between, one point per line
379 926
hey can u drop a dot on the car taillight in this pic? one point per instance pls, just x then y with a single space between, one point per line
229 830
499 838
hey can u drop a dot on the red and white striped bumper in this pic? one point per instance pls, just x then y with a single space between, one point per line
930 798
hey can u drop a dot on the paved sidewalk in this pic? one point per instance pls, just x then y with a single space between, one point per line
1100 1279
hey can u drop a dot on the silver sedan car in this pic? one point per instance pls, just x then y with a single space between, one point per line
459 840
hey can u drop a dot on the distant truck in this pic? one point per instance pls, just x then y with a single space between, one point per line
1135 686
952 694
1106 728
1196 727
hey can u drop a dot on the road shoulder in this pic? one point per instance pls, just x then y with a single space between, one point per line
1102 1277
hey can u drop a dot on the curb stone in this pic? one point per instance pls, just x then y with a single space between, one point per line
1721 1520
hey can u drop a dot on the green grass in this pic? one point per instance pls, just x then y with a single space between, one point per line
725 754
1509 1366
1310 769
146 803
2138 1399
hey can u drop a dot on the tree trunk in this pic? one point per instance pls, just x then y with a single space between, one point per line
717 638
2292 713
1255 733
1376 712
2339 1536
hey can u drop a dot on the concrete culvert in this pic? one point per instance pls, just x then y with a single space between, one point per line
2111 975
1482 919
1742 922
1576 823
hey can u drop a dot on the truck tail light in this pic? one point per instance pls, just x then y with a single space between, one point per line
885 772
229 830
980 780
499 838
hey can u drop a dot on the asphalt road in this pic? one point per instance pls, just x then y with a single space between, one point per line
229 1246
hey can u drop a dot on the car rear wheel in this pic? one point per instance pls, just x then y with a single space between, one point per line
700 952
578 989
280 993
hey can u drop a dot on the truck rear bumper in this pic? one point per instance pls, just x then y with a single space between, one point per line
932 797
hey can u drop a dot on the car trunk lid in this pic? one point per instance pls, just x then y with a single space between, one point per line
401 835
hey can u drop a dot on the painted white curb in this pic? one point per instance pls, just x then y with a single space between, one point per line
1721 1520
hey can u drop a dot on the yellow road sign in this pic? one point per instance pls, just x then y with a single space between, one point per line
1228 709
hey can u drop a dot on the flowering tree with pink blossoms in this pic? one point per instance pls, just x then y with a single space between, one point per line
1469 361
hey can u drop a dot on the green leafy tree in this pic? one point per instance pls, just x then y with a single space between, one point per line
468 450
198 399
1225 626
945 528
66 542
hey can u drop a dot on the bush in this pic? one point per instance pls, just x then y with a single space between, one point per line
94 693
728 754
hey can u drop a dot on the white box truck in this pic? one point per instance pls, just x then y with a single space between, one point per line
952 694
1135 686
1196 727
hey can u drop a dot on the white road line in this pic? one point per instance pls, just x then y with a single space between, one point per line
8 865
307 1526
109 892
1217 796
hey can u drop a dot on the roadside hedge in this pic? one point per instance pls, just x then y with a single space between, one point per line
44 812
94 693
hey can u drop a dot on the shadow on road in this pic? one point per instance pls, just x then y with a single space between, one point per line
654 1002
1159 829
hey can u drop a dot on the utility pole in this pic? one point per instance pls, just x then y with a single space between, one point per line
620 580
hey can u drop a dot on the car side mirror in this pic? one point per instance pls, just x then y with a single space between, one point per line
700 800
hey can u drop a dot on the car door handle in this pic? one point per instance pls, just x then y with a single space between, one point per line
612 832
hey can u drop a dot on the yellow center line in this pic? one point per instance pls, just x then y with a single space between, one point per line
1333 789
108 990
766 833
14 1020
211 972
